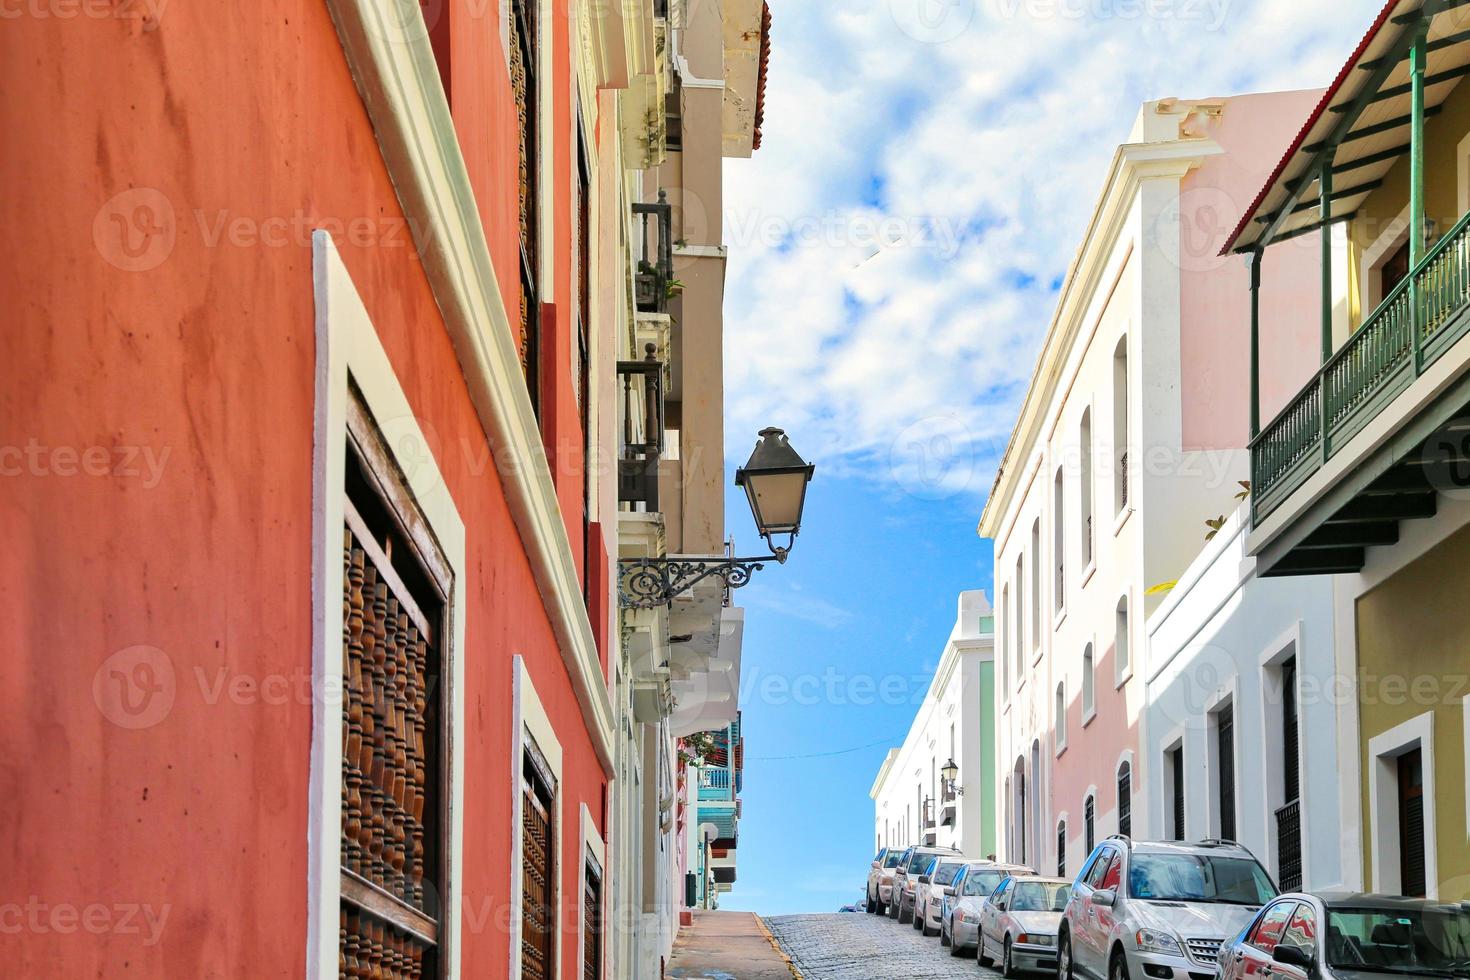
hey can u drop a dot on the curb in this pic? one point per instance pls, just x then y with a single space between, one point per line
777 947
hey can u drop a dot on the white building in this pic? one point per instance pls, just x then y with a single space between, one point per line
1241 724
912 802
1131 435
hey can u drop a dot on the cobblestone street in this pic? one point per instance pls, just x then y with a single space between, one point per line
856 946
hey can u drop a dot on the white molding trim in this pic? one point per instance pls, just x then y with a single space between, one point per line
347 344
399 83
592 843
1462 174
1383 751
1467 765
530 720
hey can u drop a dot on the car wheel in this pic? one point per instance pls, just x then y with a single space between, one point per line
892 911
1064 957
955 949
917 919
985 961
1118 968
1007 968
943 934
872 905
905 917
929 933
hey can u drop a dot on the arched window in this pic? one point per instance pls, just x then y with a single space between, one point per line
1125 800
1089 822
1061 716
1120 641
1035 584
1059 540
1120 424
1088 704
1061 848
1084 485
1020 604
1006 628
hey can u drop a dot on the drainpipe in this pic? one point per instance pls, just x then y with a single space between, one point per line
1417 58
1254 258
1324 185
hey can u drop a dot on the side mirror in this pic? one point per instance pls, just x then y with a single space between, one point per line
1105 898
1293 956
877 864
949 890
923 879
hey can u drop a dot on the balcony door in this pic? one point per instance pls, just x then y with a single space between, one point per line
1411 823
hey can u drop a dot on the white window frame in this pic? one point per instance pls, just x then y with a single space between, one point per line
1384 750
593 845
347 345
1283 648
532 724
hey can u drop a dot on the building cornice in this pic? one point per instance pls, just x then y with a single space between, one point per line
1132 164
398 79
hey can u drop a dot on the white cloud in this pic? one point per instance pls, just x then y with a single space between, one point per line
896 239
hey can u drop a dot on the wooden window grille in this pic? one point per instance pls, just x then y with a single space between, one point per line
396 592
1089 823
592 922
525 87
538 867
1176 763
1062 849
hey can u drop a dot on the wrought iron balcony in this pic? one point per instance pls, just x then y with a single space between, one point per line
653 250
1410 330
641 412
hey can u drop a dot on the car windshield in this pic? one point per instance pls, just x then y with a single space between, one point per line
946 872
1199 878
1432 939
982 881
891 861
1040 896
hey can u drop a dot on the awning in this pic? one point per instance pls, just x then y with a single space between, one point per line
1366 112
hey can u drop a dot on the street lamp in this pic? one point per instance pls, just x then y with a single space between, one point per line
774 480
949 773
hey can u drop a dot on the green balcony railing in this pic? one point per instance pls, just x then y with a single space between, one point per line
1408 331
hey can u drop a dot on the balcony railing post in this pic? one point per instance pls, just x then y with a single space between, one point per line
1324 185
1255 267
1417 57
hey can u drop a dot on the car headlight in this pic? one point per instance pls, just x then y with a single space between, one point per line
1154 941
970 918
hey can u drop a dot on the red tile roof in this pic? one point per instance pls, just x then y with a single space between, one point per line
760 84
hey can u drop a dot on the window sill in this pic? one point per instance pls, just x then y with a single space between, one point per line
1088 573
1061 750
1058 619
1122 519
1036 656
1089 715
1124 678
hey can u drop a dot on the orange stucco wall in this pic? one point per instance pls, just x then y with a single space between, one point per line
156 416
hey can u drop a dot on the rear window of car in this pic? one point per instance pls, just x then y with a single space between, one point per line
982 881
946 872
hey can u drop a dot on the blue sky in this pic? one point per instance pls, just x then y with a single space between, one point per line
895 250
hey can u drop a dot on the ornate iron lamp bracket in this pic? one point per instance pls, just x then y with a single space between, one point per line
647 583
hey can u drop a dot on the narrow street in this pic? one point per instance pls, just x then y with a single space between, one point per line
855 946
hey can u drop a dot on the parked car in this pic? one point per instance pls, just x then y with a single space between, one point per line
1140 911
880 878
1340 935
929 896
959 916
914 862
1018 924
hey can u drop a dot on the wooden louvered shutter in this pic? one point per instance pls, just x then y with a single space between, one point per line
1411 824
1125 800
395 595
1178 763
1225 751
538 869
592 922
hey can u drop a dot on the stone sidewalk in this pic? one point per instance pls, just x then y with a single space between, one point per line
727 946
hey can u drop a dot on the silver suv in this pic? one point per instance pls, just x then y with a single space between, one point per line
1158 911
